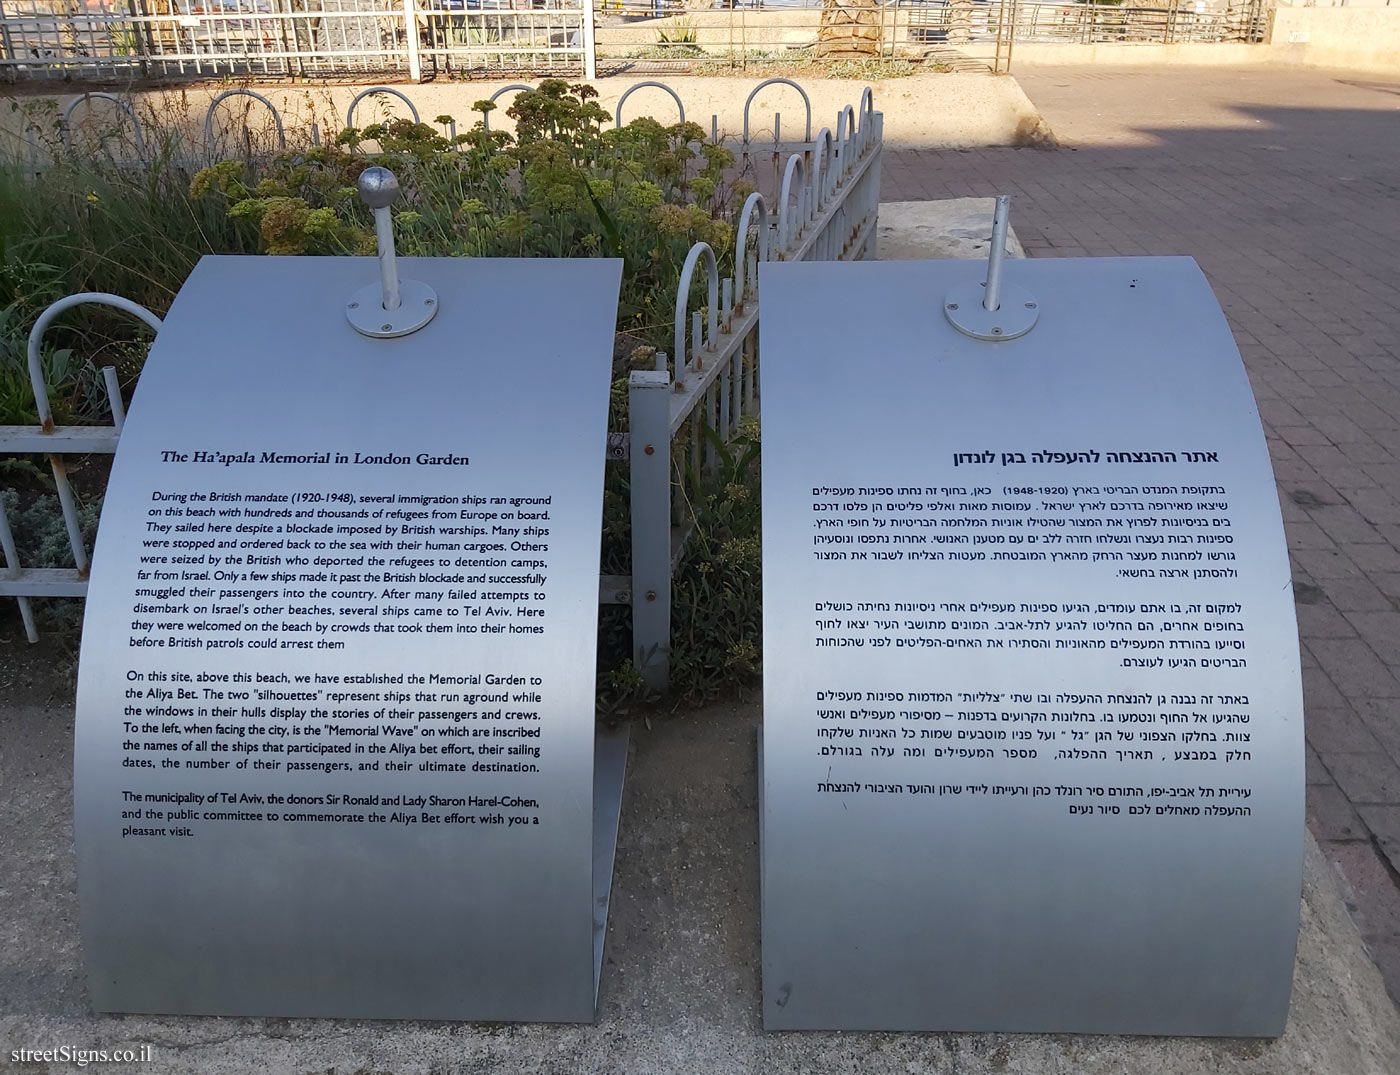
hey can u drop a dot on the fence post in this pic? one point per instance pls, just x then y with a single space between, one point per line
410 19
649 419
590 43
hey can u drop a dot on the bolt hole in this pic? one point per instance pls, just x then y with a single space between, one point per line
952 305
354 306
386 327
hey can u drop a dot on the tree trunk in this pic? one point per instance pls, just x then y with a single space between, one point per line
959 22
849 28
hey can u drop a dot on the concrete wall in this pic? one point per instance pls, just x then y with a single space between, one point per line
924 111
1363 39
717 31
1358 39
1189 53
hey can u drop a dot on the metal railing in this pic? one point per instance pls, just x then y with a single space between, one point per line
165 39
733 33
305 38
55 441
1171 22
825 208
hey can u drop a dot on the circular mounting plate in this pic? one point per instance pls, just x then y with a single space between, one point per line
417 306
1015 317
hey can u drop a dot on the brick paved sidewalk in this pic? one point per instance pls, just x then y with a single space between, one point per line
1285 186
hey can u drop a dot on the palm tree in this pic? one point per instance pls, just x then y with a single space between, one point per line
849 28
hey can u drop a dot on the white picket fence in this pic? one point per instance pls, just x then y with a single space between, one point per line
825 208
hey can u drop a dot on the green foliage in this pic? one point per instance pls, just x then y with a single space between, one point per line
94 220
681 32
41 536
717 595
804 63
562 185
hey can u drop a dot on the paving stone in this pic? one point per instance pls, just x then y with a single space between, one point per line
1343 524
1380 558
1339 730
1319 692
1374 901
1381 630
1356 595
1382 821
1388 582
1321 620
1370 778
1331 816
1307 535
1303 435
1316 772
1382 719
1307 268
1325 563
1353 668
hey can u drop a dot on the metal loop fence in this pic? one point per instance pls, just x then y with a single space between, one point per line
826 210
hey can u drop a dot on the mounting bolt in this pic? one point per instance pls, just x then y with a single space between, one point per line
651 595
378 189
650 449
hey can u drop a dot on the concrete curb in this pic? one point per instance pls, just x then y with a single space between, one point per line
680 988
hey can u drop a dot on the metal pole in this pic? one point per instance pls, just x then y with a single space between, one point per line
12 570
1011 35
388 262
114 397
991 301
379 188
1001 31
649 418
415 66
590 43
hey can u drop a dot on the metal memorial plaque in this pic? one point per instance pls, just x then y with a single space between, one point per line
1032 754
335 721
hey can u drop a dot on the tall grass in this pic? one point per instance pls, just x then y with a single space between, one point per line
104 214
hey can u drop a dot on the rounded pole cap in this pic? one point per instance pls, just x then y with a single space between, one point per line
378 187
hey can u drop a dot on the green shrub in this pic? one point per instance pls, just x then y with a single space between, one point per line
41 536
563 185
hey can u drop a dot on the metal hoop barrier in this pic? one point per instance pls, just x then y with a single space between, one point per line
741 242
846 136
36 336
867 117
209 115
66 128
697 251
806 103
823 168
643 85
786 232
514 87
41 402
350 112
